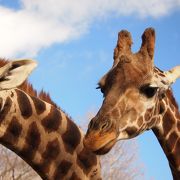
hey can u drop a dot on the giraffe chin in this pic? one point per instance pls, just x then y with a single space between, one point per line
106 148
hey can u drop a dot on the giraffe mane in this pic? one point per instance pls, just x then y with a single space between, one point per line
29 89
171 97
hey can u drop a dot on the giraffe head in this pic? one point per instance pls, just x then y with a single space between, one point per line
131 89
15 73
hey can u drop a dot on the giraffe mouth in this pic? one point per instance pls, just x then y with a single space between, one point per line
100 143
106 148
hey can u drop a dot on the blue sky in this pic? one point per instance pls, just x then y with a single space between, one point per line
73 44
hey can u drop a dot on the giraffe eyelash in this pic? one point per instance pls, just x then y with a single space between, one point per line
148 90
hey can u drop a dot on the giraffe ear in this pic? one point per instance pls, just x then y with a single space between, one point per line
15 73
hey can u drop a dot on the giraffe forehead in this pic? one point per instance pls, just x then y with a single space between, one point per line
127 75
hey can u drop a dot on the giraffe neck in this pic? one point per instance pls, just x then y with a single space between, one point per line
168 132
45 138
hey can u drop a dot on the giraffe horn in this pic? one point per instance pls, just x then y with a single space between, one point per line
173 74
123 45
148 42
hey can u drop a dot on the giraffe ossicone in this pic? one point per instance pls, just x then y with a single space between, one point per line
137 97
38 131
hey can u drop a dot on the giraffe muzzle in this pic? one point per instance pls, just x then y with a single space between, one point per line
105 149
100 143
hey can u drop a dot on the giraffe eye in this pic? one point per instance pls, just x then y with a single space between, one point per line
101 88
148 90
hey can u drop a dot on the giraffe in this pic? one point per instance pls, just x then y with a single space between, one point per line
40 132
137 97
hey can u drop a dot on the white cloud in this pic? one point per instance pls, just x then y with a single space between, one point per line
39 23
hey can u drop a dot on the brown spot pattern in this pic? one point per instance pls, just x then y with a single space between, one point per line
50 154
157 132
174 157
178 125
148 114
161 108
86 160
62 170
74 177
71 137
24 104
32 141
52 121
5 110
168 122
171 98
152 122
171 158
39 105
140 121
1 102
131 131
176 174
177 114
12 133
52 150
171 141
43 167
177 153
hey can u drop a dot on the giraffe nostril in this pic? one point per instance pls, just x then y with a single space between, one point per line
106 125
